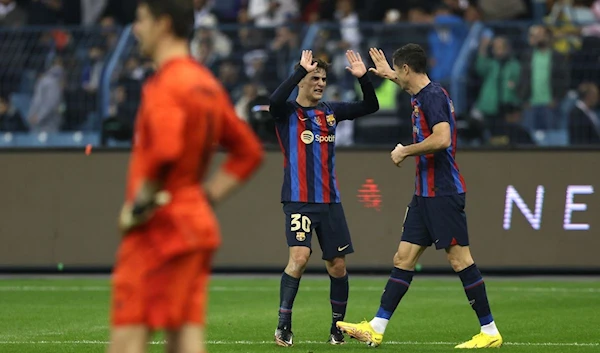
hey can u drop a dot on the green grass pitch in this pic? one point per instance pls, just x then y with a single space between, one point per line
533 315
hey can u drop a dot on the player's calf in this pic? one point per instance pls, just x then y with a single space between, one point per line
338 295
474 286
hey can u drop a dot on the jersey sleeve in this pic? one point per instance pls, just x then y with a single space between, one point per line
245 151
164 125
353 110
278 99
436 109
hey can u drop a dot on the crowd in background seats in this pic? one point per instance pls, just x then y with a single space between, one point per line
525 81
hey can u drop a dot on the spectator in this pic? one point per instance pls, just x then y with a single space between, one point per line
497 10
12 15
511 132
272 13
122 112
44 114
584 123
229 76
257 70
202 13
544 80
251 91
209 38
10 118
351 39
500 74
284 49
445 42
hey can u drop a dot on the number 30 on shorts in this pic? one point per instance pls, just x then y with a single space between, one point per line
300 221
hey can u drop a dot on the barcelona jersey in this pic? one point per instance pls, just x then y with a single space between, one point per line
437 173
307 139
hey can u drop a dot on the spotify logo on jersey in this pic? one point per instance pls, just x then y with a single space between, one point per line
308 137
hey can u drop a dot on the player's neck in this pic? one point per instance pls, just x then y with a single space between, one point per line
306 102
170 49
420 82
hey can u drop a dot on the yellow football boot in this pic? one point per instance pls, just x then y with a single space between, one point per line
362 332
482 340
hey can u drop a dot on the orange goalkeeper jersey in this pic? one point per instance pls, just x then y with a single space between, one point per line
184 115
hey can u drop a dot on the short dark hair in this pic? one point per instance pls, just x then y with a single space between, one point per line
412 55
181 13
321 64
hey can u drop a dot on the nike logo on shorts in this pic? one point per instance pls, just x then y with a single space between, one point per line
342 248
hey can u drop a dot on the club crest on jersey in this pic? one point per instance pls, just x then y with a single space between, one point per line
307 137
300 236
330 120
416 111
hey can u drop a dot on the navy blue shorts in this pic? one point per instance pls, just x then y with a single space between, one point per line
326 219
439 220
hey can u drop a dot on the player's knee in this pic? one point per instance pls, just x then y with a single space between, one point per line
459 261
126 340
298 260
404 262
336 267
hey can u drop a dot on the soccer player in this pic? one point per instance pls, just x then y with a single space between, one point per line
436 213
310 196
170 232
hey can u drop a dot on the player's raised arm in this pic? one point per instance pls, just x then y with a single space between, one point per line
278 98
369 104
382 67
244 155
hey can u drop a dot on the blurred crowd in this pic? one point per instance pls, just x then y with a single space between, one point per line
525 82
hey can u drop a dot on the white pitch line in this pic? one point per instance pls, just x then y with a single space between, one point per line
397 343
304 289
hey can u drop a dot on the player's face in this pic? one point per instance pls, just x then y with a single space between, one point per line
313 85
403 73
145 30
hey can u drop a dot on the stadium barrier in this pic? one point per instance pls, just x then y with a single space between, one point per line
532 211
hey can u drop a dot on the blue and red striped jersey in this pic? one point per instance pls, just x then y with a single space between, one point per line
307 139
437 173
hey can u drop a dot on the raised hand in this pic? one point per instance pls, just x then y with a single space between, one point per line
306 61
382 68
357 67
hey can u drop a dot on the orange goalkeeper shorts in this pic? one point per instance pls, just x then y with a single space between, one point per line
159 296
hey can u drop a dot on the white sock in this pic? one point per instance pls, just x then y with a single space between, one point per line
490 329
379 324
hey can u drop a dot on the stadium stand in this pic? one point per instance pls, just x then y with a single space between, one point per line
73 76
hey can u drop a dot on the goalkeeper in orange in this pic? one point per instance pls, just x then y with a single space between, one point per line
170 232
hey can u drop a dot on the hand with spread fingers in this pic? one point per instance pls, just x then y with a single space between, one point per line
357 67
306 61
382 67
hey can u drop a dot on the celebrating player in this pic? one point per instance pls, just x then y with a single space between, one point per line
436 213
169 229
310 195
